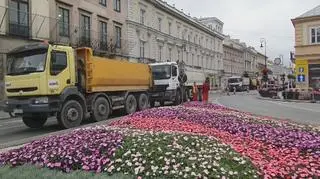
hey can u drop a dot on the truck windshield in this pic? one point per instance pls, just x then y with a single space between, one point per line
26 62
234 80
161 72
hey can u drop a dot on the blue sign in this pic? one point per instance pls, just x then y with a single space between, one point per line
301 78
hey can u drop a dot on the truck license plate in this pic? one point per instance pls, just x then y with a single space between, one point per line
18 111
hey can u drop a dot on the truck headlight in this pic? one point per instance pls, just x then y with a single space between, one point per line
41 100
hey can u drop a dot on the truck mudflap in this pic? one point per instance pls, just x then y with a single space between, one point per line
32 105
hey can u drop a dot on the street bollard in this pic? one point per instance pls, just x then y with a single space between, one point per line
234 90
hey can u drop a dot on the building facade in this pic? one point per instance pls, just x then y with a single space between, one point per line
100 24
233 57
307 48
160 32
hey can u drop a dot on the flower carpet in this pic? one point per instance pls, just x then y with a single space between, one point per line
193 140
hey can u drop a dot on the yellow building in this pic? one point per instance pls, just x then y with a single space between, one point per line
307 48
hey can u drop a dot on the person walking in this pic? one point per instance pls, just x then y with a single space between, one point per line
195 92
205 90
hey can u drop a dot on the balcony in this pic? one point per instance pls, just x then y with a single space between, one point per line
20 30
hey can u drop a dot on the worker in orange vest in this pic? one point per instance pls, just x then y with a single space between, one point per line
195 92
205 90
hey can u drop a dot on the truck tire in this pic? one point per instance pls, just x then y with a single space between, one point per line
131 104
178 98
35 122
101 109
143 102
71 114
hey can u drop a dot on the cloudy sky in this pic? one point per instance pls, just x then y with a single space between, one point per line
251 20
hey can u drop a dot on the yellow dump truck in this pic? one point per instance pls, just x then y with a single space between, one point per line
46 80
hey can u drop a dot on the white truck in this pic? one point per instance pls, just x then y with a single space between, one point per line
238 83
173 82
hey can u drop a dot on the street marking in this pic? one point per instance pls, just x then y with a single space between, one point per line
283 104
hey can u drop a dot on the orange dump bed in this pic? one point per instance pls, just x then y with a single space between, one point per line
103 74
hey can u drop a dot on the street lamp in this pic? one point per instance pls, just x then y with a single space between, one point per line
264 41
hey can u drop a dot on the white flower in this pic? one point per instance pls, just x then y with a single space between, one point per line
187 169
136 170
193 174
159 149
118 160
168 153
129 164
209 166
147 174
230 172
127 153
118 169
206 171
192 158
165 172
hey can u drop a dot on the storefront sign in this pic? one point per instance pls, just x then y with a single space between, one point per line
302 73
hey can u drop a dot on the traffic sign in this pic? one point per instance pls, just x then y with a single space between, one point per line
301 78
301 70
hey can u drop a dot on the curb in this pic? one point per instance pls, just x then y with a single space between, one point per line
291 101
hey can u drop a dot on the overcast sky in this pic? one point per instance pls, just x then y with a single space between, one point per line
251 20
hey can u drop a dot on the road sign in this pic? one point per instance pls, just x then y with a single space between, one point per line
301 70
301 78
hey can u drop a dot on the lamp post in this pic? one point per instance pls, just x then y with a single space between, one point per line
263 43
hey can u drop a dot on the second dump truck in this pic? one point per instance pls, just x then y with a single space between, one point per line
46 80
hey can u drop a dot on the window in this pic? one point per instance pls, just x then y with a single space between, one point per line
142 16
118 37
117 5
142 50
58 62
103 35
85 26
170 54
169 28
174 71
64 22
159 23
179 55
160 53
178 31
315 35
19 17
103 2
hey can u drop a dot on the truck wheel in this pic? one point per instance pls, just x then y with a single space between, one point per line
34 122
71 114
143 101
178 98
101 109
131 104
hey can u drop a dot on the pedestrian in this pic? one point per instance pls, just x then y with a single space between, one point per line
195 92
205 90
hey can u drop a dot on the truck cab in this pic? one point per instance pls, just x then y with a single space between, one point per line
235 82
166 83
38 77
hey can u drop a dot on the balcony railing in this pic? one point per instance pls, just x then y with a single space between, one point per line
21 30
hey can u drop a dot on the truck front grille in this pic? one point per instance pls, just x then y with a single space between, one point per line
17 90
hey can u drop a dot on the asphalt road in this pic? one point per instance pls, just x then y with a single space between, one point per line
304 113
14 132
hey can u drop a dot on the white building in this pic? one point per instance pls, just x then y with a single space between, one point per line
158 32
